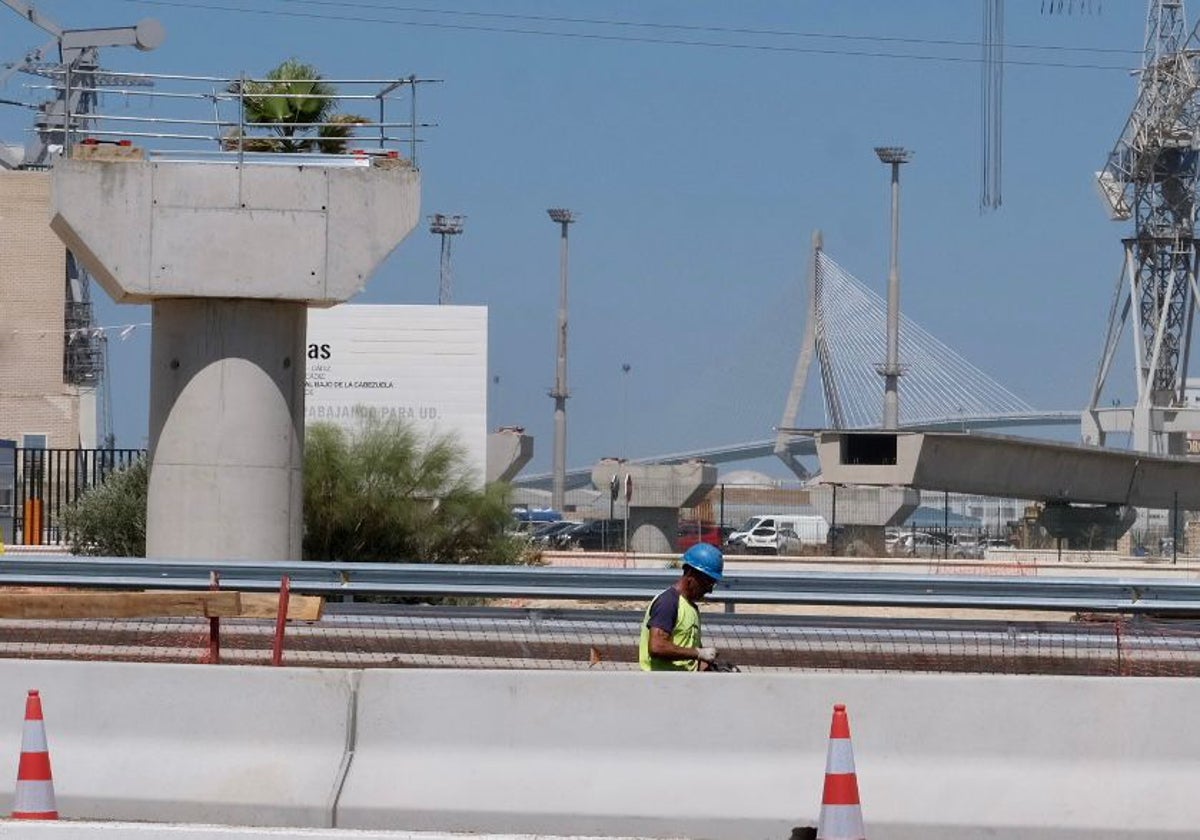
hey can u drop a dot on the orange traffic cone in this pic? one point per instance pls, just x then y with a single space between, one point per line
34 796
841 812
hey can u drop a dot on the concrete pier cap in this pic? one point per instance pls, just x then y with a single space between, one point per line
508 450
656 493
230 254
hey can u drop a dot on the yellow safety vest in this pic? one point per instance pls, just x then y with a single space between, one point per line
685 634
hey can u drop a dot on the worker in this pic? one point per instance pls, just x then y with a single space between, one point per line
671 627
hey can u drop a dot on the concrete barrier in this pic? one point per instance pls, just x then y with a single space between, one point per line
709 757
143 831
656 755
739 757
184 743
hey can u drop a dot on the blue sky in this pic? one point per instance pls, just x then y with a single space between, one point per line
699 171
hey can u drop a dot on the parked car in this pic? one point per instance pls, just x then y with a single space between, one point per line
595 535
691 533
788 543
810 528
547 535
768 539
922 544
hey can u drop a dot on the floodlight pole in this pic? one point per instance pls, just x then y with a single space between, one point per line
447 227
564 218
891 369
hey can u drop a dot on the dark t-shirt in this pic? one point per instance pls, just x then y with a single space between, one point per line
665 611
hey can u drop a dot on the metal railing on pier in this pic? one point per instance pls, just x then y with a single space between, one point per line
165 114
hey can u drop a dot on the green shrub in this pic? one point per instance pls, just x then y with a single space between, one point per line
385 493
109 520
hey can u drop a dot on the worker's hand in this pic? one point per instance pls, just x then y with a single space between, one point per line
706 654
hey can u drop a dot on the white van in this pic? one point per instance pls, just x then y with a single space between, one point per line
766 533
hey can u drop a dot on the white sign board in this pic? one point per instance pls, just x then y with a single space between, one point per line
424 364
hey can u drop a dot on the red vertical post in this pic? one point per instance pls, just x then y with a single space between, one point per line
214 625
285 586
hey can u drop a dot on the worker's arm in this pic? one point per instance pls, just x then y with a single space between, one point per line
662 646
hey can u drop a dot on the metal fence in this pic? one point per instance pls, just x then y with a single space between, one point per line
42 482
943 525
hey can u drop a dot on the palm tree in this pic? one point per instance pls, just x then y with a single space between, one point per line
297 107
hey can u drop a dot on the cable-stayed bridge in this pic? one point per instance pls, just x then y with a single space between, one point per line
845 334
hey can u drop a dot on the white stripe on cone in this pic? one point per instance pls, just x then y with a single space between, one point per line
33 737
840 756
841 822
34 799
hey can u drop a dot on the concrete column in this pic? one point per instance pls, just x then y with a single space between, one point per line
659 491
226 429
862 512
653 530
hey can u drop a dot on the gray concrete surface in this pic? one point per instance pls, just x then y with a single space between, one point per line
227 429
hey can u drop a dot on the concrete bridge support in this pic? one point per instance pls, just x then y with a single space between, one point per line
862 513
658 491
230 255
508 450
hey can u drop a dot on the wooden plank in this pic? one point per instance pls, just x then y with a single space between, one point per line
266 605
120 604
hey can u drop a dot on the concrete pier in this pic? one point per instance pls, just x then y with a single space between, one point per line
230 255
658 492
861 513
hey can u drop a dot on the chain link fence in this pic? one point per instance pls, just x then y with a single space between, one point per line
829 520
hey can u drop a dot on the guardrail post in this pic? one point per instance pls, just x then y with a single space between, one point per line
285 585
213 657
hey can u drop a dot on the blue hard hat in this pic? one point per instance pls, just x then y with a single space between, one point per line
705 558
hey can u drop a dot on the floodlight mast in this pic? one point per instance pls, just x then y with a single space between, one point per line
891 370
447 227
564 218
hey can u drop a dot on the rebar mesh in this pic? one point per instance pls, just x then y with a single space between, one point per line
604 639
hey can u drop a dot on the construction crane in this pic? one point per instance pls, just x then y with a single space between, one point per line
1151 178
77 73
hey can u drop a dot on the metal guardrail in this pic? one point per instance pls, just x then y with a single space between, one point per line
796 588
